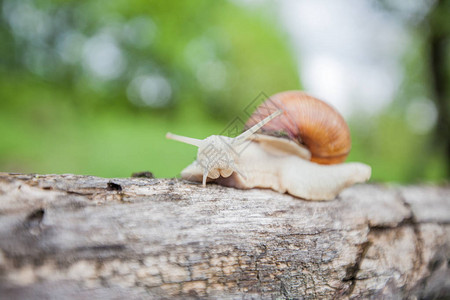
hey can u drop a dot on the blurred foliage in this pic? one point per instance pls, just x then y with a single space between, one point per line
403 143
91 87
416 126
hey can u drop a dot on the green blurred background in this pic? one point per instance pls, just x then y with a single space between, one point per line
92 87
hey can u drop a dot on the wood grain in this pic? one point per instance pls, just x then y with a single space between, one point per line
78 237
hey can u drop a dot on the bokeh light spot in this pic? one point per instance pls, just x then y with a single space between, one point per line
103 57
421 116
212 75
150 90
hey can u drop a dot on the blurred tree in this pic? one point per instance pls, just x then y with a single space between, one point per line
426 76
437 24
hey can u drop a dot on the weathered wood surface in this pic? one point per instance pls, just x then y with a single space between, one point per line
79 237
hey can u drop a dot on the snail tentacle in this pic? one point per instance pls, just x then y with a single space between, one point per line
184 139
246 134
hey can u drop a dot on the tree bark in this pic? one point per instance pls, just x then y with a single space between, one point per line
78 237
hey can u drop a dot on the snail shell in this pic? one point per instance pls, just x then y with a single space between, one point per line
307 121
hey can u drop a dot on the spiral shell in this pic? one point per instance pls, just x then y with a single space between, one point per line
308 121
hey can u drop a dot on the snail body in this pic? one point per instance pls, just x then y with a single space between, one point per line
299 153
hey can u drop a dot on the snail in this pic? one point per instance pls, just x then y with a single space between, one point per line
293 143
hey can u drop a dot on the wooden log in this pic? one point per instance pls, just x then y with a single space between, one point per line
78 237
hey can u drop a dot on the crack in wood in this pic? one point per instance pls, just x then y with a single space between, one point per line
112 186
34 218
352 270
418 241
411 221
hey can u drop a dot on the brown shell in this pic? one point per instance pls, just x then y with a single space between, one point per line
309 122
